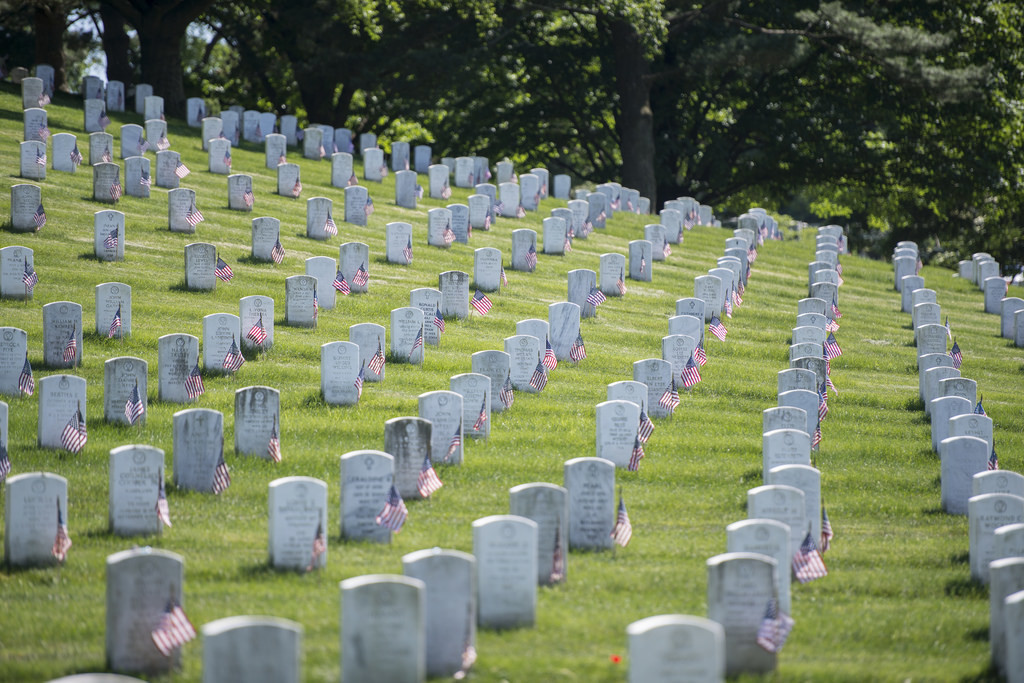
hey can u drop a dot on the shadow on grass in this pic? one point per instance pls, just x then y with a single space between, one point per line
750 476
966 588
250 259
960 558
181 286
916 404
315 400
986 675
979 634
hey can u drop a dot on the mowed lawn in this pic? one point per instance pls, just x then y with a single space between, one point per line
898 602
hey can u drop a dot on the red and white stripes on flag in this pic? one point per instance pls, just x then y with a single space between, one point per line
427 482
74 435
173 630
623 530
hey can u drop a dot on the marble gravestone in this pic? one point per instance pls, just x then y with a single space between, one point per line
318 211
289 180
616 431
297 515
407 335
339 367
460 222
374 169
808 480
370 338
139 585
121 376
137 177
454 287
106 182
444 411
429 301
180 203
167 162
505 547
255 312
240 195
200 263
438 182
211 127
405 189
177 355
275 150
612 274
708 288
564 322
640 258
254 649
784 504
997 481
198 447
136 473
548 506
220 330
580 283
113 299
257 416
397 240
768 537
439 224
509 199
784 447
366 478
266 232
986 513
524 352
383 629
60 396
31 504
740 584
13 351
449 577
64 145
686 325
591 486
323 269
62 321
475 389
408 440
487 269
656 375
674 647
300 301
495 365
357 200
101 148
629 390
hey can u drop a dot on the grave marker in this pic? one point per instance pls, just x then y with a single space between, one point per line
366 477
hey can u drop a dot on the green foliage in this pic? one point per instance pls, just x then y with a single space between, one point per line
897 603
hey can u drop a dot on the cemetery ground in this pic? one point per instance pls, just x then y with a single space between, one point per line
898 602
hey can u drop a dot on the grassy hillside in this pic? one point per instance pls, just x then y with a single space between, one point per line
898 603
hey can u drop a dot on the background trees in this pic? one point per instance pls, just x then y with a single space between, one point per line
898 118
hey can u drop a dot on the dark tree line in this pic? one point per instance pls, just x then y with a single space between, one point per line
900 119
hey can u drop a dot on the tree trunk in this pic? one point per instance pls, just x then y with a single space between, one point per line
48 21
636 121
116 46
160 41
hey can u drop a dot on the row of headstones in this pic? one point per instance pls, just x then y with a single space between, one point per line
980 269
39 89
993 499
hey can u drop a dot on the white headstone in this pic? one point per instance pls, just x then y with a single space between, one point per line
444 411
220 330
366 477
383 629
121 376
62 321
548 506
962 457
739 588
178 355
985 514
32 504
591 486
198 447
297 515
254 649
256 312
136 473
495 365
674 647
505 547
784 504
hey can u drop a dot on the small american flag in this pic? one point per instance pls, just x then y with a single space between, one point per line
737 300
837 314
993 460
550 360
316 305
163 510
30 277
352 180
233 360
281 160
322 151
807 563
40 158
257 333
368 209
438 320
383 171
577 351
816 437
173 630
407 252
44 131
274 444
728 304
637 455
455 442
621 283
419 191
223 270
427 482
567 247
71 347
26 382
106 155
507 395
44 99
277 252
417 343
248 197
689 219
670 399
828 361
956 355
104 120
144 180
539 380
667 251
717 328
623 530
194 383
362 276
319 546
110 241
979 409
163 143
520 212
832 349
194 216
115 323
76 156
774 628
587 227
691 373
498 209
358 383
259 134
116 190
297 188
330 227
596 297
557 556
918 267
221 476
5 463
480 303
531 257
394 513
643 264
181 170
481 418
62 542
646 427
504 278
616 204
448 235
949 331
341 284
74 436
822 401
700 355
831 325
376 363
826 531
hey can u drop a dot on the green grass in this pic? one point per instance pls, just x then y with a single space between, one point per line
898 603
